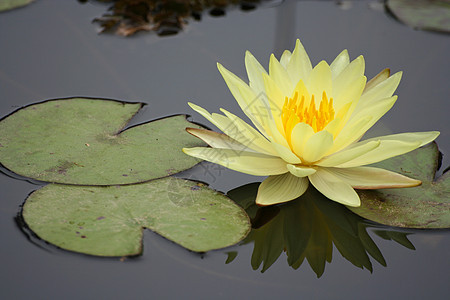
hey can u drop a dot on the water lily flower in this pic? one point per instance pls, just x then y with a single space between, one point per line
308 123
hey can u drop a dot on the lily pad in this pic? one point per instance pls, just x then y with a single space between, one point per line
83 141
11 4
422 14
109 221
425 206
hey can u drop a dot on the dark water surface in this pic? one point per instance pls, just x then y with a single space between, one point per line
51 50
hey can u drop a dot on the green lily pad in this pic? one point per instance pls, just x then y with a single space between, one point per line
425 206
109 221
11 4
83 141
422 14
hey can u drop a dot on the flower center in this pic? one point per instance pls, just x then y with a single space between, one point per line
304 111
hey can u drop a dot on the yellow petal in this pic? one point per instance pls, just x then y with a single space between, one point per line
245 162
244 95
334 188
349 153
280 76
246 134
300 171
280 188
380 77
254 73
373 178
316 146
300 134
286 154
299 65
352 72
390 146
319 80
218 140
382 90
285 58
350 92
339 64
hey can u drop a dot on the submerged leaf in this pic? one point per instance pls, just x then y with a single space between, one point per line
109 221
11 4
83 141
425 206
422 14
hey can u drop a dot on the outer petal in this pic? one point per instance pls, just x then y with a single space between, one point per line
244 132
300 171
218 140
316 146
245 162
299 65
334 188
348 154
373 178
280 188
382 90
390 146
245 97
380 77
286 154
254 73
339 63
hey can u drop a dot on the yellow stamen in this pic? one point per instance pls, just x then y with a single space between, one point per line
295 112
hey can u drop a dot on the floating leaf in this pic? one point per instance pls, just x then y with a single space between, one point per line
425 206
82 141
422 14
109 221
11 4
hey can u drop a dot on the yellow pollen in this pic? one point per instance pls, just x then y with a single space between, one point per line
295 111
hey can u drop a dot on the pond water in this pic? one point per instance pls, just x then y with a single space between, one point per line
51 49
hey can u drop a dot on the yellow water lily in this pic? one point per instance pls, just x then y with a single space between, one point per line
308 125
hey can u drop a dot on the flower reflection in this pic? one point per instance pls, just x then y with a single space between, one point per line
306 229
165 17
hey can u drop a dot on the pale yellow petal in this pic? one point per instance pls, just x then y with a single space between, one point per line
360 122
285 58
382 90
316 146
245 162
350 133
350 92
280 76
334 188
246 134
348 154
352 72
244 95
390 146
299 65
380 77
339 63
319 80
300 134
373 178
286 154
218 140
254 73
300 171
280 188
